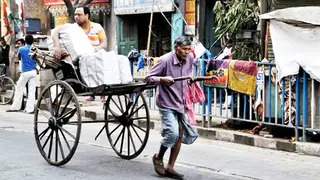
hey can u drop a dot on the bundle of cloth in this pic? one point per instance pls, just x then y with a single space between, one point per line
96 68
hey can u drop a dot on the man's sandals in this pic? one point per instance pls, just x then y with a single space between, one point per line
158 166
173 174
161 171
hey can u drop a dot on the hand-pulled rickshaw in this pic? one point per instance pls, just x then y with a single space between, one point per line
58 121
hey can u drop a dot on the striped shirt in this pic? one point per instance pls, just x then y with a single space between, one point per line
95 34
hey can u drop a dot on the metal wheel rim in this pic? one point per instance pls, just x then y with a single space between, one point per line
146 136
9 99
76 138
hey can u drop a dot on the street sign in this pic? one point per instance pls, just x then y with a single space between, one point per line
260 78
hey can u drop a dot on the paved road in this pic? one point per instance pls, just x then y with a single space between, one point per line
205 159
20 159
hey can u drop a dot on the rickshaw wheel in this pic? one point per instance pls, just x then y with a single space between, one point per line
7 89
57 131
124 123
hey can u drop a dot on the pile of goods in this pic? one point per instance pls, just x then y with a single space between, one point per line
96 68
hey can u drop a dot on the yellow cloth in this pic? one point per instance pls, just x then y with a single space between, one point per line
242 76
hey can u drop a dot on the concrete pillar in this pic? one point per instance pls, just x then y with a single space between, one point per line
112 30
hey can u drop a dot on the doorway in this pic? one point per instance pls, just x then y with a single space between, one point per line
133 33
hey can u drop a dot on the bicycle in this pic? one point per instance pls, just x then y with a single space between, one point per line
7 87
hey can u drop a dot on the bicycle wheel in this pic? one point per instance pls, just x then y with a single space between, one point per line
7 89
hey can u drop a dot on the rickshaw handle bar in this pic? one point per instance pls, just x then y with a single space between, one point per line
195 78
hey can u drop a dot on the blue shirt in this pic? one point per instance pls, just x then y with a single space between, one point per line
27 64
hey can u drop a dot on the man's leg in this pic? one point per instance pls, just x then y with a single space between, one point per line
162 151
158 161
25 94
170 133
90 98
3 83
18 94
8 71
31 93
176 149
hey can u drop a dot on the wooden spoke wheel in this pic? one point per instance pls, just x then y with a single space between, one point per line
57 123
7 89
127 124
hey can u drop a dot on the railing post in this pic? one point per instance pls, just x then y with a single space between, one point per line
269 94
305 105
209 90
203 72
319 106
244 106
232 104
220 100
283 84
297 106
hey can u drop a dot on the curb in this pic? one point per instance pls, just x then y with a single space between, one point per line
312 149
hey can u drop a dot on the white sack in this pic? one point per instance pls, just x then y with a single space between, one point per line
73 40
91 70
111 67
125 71
294 47
100 68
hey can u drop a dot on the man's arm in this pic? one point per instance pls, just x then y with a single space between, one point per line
55 36
18 54
157 74
103 39
56 42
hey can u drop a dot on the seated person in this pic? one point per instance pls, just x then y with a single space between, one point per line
95 32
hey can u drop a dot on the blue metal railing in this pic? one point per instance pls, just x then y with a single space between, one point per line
282 102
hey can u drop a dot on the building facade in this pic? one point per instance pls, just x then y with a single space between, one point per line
171 18
127 21
132 25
